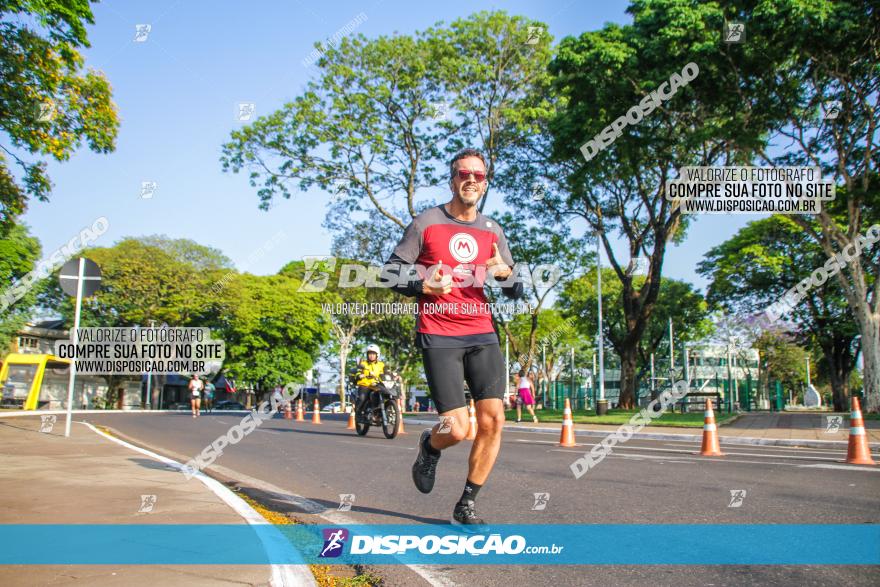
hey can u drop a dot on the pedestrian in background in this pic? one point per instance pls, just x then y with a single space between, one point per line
524 395
195 394
209 396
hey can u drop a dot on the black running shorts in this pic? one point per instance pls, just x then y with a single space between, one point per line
446 370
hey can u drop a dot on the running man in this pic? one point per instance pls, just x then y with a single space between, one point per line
459 343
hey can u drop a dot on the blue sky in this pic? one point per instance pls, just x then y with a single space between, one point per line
177 94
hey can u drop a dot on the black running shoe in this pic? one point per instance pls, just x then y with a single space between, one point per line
425 467
466 516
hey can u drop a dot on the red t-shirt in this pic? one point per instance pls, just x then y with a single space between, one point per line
463 248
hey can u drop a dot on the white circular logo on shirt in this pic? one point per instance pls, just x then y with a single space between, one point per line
463 247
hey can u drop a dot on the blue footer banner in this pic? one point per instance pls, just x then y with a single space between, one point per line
505 544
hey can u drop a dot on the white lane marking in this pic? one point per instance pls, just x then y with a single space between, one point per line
843 467
379 445
727 451
655 457
699 460
282 575
778 448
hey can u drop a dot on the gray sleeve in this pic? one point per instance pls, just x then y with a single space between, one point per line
513 287
410 245
503 248
404 256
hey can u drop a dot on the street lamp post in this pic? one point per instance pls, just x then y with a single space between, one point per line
602 403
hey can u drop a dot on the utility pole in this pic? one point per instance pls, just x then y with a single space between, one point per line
543 371
671 348
687 369
506 366
149 403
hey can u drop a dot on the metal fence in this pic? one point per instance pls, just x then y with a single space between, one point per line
739 394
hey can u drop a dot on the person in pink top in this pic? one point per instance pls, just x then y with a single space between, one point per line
524 396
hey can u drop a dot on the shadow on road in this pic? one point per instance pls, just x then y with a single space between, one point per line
318 432
152 464
288 504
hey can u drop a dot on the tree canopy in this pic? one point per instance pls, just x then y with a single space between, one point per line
48 105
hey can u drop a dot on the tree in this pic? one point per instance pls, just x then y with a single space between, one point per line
369 127
19 253
187 251
550 256
140 283
395 335
371 242
755 267
599 77
555 336
677 300
782 360
272 333
48 107
336 300
816 54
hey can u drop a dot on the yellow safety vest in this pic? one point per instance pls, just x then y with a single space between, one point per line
369 373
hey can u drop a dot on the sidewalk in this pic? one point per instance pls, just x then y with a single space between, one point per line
756 428
88 479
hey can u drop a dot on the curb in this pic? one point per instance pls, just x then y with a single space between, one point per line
16 413
745 440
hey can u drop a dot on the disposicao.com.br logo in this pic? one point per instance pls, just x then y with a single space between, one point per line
334 542
430 544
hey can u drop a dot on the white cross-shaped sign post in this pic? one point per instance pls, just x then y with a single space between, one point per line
81 278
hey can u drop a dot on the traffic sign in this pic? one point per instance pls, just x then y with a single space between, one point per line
80 278
70 276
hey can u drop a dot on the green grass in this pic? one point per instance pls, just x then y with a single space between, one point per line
617 417
612 418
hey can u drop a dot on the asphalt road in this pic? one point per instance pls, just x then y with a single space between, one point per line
643 482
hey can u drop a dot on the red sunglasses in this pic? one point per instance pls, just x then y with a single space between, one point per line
466 173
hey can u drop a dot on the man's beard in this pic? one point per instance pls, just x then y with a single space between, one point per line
469 198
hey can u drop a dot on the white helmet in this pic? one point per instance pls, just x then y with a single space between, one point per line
373 348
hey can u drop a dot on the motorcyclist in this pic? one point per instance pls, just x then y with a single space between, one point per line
370 371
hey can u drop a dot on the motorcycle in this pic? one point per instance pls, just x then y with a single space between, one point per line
380 408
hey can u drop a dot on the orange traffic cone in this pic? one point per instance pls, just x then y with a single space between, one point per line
316 414
858 452
351 425
400 429
299 411
566 436
710 447
288 415
472 422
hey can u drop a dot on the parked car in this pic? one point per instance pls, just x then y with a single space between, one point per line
336 408
229 405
